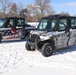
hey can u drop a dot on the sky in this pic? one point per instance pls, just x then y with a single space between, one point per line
58 5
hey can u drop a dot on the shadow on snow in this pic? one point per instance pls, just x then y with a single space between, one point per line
65 50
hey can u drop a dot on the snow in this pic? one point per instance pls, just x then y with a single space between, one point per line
33 24
16 60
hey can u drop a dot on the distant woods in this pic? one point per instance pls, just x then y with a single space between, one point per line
31 12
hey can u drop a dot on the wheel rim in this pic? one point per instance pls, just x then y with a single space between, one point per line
48 50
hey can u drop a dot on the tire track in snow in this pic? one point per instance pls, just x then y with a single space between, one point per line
12 55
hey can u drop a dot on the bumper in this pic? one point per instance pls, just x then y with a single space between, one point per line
33 40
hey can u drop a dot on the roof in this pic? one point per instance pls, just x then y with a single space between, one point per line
59 16
13 18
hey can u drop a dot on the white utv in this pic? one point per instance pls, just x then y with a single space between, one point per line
53 32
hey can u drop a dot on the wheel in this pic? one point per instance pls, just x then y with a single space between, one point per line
47 50
0 38
27 46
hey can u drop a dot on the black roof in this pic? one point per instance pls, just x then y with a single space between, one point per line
13 18
59 16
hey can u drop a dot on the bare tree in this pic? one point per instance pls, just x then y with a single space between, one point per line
44 6
23 13
32 12
17 10
13 10
4 4
20 7
8 8
40 9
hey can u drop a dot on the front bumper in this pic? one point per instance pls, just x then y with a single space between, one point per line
33 40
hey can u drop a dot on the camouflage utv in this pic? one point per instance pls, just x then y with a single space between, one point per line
53 32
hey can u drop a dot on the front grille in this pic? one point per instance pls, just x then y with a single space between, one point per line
34 38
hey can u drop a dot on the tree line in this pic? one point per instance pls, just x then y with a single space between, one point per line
32 12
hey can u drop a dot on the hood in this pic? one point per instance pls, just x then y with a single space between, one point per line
44 35
38 32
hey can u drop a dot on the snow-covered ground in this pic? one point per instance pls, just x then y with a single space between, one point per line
15 60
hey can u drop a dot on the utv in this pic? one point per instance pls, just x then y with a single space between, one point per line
53 32
13 28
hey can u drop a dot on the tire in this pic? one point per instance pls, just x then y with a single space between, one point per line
27 46
0 38
47 50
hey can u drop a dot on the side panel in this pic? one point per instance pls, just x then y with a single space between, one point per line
12 29
72 39
63 34
61 40
8 33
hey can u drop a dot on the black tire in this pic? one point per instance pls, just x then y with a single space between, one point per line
0 38
27 46
47 50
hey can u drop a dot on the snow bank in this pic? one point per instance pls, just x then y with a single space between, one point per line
15 60
33 24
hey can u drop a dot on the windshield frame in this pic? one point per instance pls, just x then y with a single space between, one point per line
3 22
49 24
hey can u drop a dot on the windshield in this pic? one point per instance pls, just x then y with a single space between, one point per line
1 22
43 24
46 24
